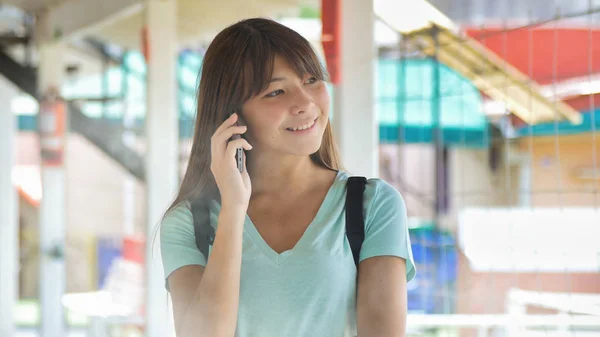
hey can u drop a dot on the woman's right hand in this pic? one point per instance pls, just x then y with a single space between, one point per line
234 187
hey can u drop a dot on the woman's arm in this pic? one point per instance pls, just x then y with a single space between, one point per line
386 263
381 300
205 299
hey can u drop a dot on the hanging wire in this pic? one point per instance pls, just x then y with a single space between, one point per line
531 51
595 174
490 203
559 177
440 190
403 68
461 166
401 106
556 114
420 233
507 165
441 177
507 193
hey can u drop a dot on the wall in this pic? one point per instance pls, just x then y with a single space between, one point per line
94 208
410 168
474 184
554 183
556 165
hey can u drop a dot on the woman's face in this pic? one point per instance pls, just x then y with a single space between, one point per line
290 116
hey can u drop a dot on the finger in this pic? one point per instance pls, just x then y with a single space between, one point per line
231 131
219 140
227 123
233 145
246 177
245 173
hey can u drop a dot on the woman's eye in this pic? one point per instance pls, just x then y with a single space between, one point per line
274 93
312 80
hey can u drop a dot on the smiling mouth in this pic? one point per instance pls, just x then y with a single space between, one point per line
303 127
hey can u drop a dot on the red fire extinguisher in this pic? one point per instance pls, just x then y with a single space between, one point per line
52 120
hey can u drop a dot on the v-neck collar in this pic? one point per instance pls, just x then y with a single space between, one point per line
308 234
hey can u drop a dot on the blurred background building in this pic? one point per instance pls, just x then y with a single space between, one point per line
483 113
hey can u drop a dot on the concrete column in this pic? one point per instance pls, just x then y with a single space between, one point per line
9 220
129 139
53 217
162 154
354 120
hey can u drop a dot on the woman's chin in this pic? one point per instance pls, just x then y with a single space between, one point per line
305 149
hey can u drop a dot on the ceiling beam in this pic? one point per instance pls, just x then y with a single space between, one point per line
78 18
11 39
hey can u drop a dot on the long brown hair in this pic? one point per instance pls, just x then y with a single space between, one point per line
238 65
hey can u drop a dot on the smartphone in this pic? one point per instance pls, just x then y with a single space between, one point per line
239 153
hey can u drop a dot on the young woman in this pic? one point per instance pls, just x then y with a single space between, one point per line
280 263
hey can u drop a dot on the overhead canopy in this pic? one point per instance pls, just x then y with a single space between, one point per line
492 75
419 21
591 123
575 50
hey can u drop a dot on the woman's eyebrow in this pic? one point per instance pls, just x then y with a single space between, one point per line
277 79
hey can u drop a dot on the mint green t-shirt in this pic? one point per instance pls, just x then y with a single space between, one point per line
309 290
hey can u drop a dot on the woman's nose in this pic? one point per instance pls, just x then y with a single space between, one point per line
303 102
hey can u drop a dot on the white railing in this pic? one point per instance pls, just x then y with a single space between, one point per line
578 316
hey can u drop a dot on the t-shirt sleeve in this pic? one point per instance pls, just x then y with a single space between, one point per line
177 241
386 225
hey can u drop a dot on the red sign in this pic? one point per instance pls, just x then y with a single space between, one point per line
331 16
145 44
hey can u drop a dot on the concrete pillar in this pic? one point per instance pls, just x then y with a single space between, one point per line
53 215
9 223
129 139
354 120
162 154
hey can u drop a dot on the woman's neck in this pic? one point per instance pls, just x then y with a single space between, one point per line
281 175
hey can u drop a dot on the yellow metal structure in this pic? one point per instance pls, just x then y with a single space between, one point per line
491 74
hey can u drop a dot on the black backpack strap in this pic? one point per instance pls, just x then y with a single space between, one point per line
355 221
203 231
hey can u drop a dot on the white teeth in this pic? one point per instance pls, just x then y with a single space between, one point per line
304 127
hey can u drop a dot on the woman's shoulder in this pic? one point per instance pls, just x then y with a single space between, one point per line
179 211
376 189
177 219
381 189
382 198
